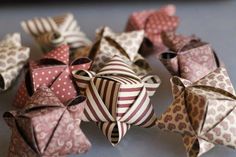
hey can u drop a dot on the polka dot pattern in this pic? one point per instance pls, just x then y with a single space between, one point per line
53 71
154 22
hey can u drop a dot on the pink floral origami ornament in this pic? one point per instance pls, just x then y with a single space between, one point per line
46 127
189 58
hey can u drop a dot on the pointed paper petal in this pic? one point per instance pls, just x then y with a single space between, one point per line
176 118
67 138
217 79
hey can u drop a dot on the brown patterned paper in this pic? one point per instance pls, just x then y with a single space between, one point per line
54 71
13 57
126 45
51 32
175 42
45 127
190 58
117 98
153 22
204 112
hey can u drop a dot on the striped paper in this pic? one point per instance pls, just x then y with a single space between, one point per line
117 98
51 32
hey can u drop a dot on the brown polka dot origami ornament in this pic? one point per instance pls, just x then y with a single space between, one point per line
153 22
189 58
13 57
54 70
51 32
117 98
125 45
203 112
46 127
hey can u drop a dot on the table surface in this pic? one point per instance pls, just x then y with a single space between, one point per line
214 21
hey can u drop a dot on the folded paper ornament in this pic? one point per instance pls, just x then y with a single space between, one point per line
117 98
13 57
125 45
175 42
190 57
54 70
153 22
50 32
204 112
46 127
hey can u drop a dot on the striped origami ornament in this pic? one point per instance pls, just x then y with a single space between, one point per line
117 98
51 32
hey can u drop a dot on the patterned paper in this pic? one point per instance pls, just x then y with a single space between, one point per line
190 58
126 45
51 32
204 112
13 57
45 127
153 22
53 70
117 98
175 42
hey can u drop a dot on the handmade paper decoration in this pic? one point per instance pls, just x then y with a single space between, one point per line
192 59
153 22
53 70
13 57
51 32
126 45
46 127
175 42
204 112
117 98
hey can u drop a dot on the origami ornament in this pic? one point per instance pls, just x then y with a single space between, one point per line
46 127
50 32
117 98
13 57
175 42
204 112
54 71
192 59
153 22
126 45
